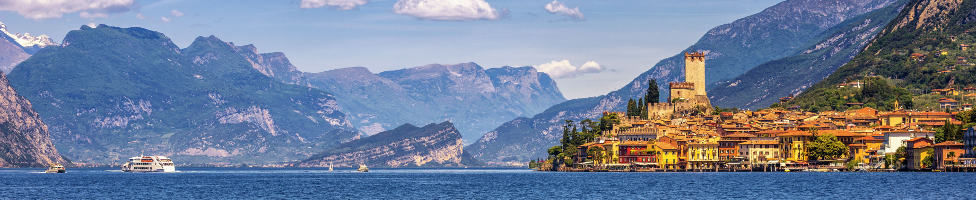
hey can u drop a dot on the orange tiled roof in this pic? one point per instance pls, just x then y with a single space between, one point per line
665 145
760 142
740 134
868 138
950 143
839 133
796 133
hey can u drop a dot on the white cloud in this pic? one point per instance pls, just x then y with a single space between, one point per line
339 4
46 9
565 69
165 19
456 10
140 16
86 14
556 7
176 13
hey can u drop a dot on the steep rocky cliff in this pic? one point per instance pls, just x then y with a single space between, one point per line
405 146
734 48
109 93
24 138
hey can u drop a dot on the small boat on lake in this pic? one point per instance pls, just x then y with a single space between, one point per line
55 168
330 167
149 164
363 168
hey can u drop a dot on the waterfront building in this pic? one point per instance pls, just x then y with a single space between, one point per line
668 158
759 151
969 142
793 145
635 152
728 146
897 138
916 151
947 153
703 155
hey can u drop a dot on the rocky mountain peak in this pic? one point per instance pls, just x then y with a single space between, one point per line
26 39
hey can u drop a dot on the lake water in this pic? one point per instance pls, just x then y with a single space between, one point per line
224 183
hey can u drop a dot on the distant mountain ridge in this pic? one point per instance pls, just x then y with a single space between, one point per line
109 93
731 49
473 98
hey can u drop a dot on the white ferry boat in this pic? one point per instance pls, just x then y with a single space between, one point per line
149 164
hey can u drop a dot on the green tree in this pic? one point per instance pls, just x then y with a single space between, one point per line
631 107
608 121
948 132
929 160
640 107
826 146
596 154
653 95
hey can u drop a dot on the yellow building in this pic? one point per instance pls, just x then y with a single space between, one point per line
793 145
702 155
668 156
611 147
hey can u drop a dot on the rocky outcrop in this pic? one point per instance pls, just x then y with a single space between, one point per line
109 93
405 146
24 138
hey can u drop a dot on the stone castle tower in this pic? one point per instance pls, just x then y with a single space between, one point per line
695 71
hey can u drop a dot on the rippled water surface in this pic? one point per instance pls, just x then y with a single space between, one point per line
224 183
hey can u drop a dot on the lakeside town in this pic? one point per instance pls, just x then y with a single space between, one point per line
688 134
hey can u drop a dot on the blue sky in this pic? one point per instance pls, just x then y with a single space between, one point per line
622 38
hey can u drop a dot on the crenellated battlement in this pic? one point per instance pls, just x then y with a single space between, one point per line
682 85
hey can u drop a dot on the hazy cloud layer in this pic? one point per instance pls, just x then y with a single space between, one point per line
46 9
556 7
339 4
453 10
565 69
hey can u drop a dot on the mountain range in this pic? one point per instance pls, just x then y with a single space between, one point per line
731 50
108 93
475 99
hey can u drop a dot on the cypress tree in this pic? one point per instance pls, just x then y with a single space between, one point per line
653 95
631 107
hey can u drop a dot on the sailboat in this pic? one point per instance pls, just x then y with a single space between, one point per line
330 167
